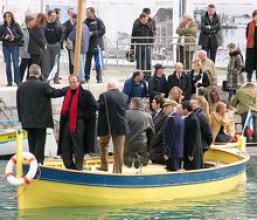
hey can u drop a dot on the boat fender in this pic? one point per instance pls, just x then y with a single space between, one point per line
9 173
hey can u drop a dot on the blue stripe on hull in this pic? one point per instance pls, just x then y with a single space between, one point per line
169 179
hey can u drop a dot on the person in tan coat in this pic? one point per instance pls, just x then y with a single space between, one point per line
223 129
208 67
187 40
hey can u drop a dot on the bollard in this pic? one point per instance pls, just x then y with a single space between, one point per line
242 143
19 150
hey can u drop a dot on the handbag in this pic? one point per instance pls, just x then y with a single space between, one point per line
225 86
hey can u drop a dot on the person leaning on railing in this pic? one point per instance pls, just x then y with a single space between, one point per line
187 39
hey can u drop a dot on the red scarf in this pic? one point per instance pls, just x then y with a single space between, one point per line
70 105
250 35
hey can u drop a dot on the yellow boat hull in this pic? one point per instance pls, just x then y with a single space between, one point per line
48 193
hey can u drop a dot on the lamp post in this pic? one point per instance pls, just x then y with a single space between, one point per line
78 36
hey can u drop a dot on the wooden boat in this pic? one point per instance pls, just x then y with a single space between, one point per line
55 186
8 143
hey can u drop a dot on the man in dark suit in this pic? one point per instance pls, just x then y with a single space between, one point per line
159 120
34 110
173 137
193 156
77 125
181 80
206 134
112 124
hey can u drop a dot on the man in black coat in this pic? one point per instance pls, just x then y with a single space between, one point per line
34 110
140 30
181 80
112 124
193 156
210 32
96 44
158 84
77 125
159 120
206 134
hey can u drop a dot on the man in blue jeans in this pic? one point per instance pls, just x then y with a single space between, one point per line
11 54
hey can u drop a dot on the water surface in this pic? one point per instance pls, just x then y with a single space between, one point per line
239 204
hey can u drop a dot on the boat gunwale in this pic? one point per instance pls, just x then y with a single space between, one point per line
244 158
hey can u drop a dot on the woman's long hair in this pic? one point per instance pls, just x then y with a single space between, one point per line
4 17
40 20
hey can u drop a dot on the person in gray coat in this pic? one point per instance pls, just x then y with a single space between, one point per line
24 54
84 46
139 136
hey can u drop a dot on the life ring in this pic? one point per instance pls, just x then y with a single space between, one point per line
10 176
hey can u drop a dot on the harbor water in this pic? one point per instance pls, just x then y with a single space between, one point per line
238 204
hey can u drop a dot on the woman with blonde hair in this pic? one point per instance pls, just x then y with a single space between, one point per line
175 94
222 127
198 77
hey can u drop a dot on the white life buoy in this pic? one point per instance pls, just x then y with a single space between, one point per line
28 177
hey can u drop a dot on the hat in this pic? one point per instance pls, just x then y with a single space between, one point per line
169 102
158 66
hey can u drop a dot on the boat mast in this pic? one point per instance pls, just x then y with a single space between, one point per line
80 7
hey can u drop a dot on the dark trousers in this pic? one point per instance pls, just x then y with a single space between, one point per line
144 60
11 56
71 67
197 163
185 56
88 65
211 52
24 64
36 59
73 144
36 140
231 92
174 164
49 59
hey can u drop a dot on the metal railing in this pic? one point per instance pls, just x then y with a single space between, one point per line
151 50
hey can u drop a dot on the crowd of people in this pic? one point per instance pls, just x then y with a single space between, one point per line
170 120
41 39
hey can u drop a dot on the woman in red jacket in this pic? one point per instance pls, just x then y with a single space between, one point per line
251 46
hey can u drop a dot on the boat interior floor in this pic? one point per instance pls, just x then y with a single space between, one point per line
149 169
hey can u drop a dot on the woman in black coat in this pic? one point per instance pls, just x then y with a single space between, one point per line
37 41
198 77
11 35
